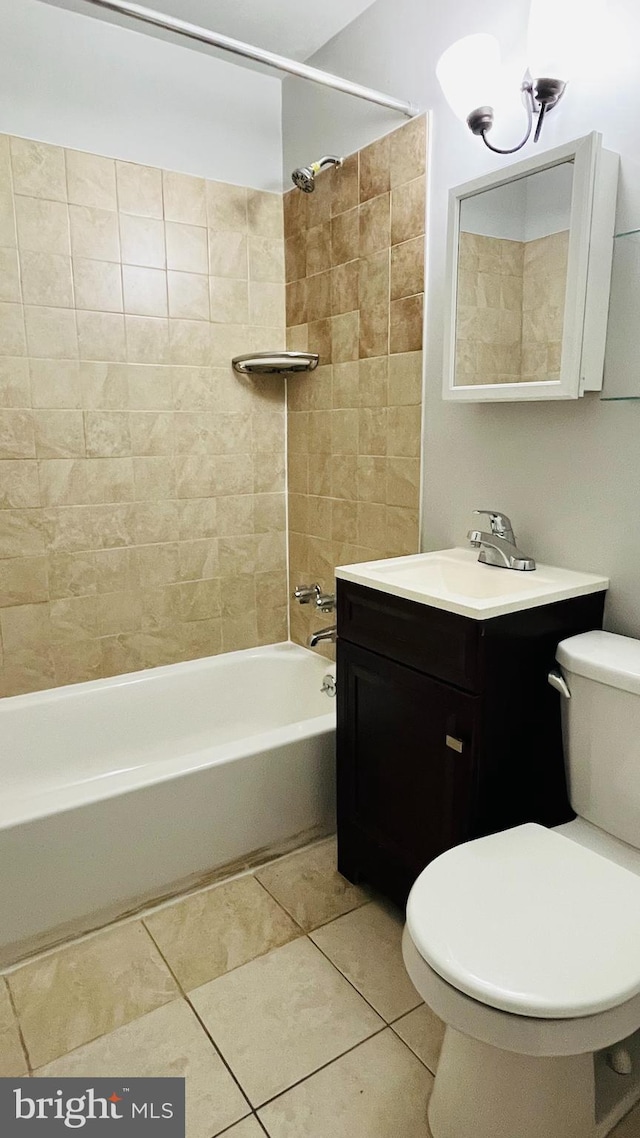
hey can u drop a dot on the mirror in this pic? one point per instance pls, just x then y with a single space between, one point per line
530 255
513 250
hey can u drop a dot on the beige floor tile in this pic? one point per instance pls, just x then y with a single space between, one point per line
211 933
422 1031
307 884
379 1090
12 1060
629 1127
366 946
168 1042
247 1129
88 989
281 1017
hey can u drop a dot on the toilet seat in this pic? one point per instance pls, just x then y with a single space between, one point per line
531 923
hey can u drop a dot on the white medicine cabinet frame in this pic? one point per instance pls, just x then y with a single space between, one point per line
591 180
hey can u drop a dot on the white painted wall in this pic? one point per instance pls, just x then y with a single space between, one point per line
568 474
68 79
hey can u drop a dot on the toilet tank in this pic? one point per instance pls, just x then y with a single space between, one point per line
601 730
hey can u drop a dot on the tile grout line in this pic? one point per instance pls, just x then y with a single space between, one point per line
185 996
23 1042
323 1066
384 1027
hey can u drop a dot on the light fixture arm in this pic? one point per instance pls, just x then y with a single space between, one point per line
539 97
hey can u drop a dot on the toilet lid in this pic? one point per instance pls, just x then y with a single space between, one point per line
530 922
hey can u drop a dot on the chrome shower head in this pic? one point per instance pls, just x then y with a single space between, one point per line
305 176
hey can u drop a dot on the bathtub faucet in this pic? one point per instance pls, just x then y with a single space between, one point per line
330 634
305 594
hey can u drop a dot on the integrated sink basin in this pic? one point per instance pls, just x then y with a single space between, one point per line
454 579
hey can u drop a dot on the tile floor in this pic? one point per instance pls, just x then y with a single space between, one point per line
280 995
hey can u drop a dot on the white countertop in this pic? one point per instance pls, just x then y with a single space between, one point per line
454 580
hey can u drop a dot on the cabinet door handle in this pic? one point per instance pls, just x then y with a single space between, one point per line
454 744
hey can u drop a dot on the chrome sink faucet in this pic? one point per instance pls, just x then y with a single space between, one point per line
499 547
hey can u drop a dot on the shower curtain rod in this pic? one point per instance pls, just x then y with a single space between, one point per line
258 54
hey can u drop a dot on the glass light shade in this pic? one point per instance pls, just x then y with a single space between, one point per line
564 37
467 72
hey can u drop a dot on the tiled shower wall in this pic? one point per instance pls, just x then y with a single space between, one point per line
355 283
142 504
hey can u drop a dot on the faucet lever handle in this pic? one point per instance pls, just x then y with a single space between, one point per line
500 523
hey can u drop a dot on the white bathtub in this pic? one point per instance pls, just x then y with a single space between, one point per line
121 791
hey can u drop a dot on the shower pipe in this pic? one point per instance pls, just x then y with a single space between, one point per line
258 54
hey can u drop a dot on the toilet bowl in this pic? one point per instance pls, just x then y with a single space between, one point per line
526 943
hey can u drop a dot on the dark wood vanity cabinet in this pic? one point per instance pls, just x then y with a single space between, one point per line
447 728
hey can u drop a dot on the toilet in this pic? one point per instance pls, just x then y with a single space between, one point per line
527 942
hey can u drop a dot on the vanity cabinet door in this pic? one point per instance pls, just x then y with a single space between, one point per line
406 765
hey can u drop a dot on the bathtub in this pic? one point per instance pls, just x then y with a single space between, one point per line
119 792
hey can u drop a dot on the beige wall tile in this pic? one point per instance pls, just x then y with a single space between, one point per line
94 233
186 247
408 151
107 433
23 581
42 226
88 505
59 434
375 169
98 285
71 574
19 487
226 207
188 295
143 241
190 342
38 169
101 336
265 214
91 180
406 324
408 211
295 252
46 279
184 198
345 189
14 382
266 259
12 330
229 301
139 189
266 304
407 268
147 340
51 332
374 224
17 438
9 276
145 291
8 234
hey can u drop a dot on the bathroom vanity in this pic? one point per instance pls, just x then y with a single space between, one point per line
447 726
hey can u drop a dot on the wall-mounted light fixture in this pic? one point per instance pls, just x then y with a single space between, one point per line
561 38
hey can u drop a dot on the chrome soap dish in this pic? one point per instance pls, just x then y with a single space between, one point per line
274 363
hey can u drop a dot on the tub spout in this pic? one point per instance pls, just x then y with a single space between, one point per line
330 633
